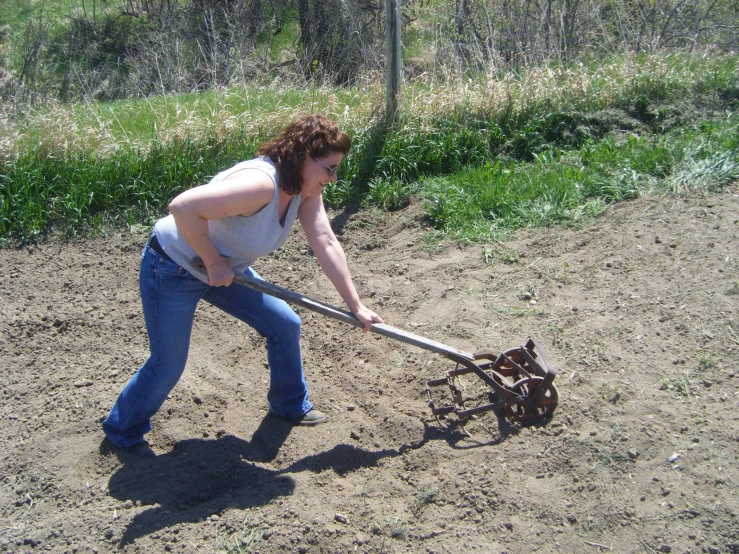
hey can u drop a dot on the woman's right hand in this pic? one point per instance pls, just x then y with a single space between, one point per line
220 273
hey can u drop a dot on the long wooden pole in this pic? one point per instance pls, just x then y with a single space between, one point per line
392 56
341 315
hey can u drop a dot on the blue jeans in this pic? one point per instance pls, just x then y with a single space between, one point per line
169 295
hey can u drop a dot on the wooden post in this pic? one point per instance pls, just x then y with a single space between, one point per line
392 56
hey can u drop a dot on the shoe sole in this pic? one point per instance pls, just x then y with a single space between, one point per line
304 423
301 421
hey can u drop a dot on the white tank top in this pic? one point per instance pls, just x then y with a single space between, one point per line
242 239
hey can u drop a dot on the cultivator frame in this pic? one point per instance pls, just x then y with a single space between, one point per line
522 386
521 379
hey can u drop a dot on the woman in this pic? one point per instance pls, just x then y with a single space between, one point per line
245 212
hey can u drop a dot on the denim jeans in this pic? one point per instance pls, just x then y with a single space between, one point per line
169 295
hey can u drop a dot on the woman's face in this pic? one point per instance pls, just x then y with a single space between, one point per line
319 171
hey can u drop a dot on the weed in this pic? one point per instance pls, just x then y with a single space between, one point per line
615 431
360 224
462 333
509 257
555 331
390 526
733 334
705 362
733 288
373 243
680 385
561 275
604 455
598 350
369 491
620 330
529 292
511 311
601 453
587 523
247 540
488 255
398 361
424 497
611 393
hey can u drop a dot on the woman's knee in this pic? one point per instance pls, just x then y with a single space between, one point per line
286 326
290 323
164 371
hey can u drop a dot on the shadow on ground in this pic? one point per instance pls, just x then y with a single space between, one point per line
199 477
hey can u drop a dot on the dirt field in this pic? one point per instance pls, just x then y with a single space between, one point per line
639 311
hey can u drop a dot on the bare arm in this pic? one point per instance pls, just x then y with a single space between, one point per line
243 193
331 257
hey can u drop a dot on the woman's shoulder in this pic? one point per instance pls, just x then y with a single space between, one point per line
260 163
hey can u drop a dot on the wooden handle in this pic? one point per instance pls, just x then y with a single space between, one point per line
342 315
345 316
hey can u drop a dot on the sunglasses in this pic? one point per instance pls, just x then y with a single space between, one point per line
331 170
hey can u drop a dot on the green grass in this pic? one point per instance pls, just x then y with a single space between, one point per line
565 186
140 123
556 145
17 13
87 191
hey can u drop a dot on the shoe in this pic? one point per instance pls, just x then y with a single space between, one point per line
314 417
141 450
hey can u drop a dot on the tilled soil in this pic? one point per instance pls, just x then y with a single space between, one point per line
639 311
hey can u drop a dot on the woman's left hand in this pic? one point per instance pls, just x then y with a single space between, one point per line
367 317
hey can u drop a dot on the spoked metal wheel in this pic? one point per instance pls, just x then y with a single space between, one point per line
531 406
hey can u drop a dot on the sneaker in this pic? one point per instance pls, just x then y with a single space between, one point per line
141 450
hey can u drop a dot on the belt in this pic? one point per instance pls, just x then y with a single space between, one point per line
156 247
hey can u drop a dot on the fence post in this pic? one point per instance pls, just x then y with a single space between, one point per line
392 57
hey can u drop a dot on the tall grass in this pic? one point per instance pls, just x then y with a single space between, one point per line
41 192
105 127
612 89
446 126
566 186
499 150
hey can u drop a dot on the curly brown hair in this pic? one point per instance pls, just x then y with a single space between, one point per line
314 135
